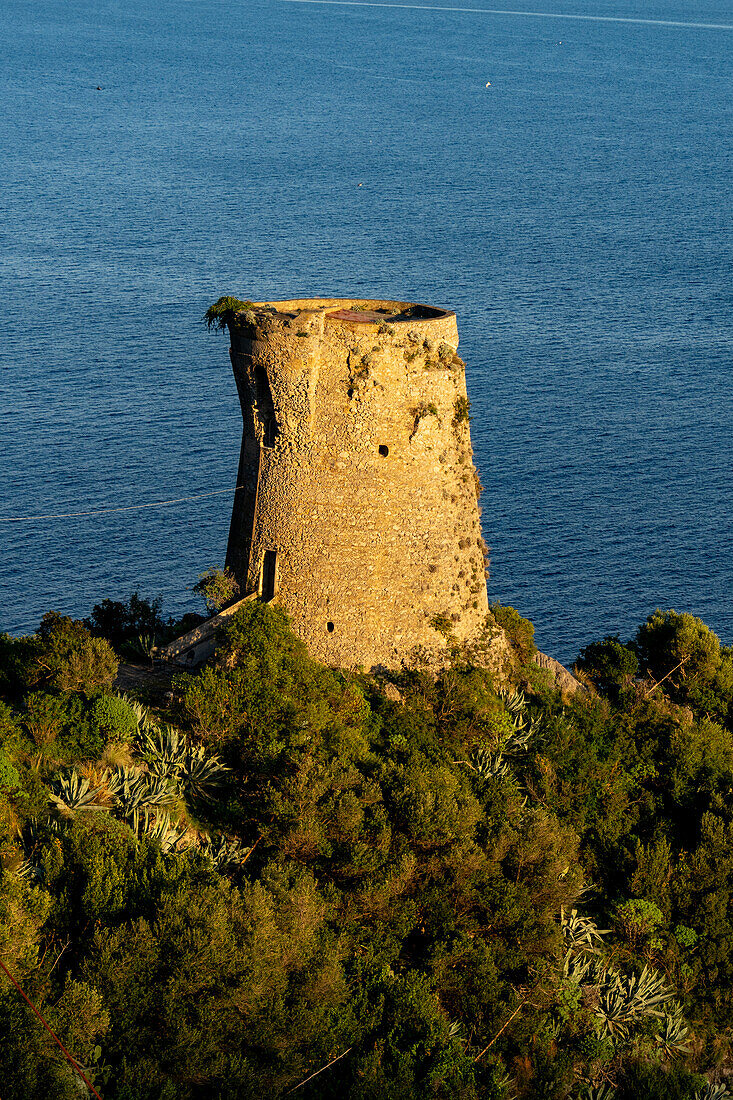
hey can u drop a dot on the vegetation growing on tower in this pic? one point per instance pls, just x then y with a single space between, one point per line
221 312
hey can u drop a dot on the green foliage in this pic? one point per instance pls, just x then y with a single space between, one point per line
217 587
121 621
609 664
33 1068
63 727
461 411
18 664
44 717
519 631
639 919
679 651
11 736
70 658
443 624
114 717
9 778
223 312
686 937
387 884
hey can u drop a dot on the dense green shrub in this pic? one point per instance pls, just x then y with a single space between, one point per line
217 587
9 778
223 311
684 655
609 664
519 631
44 716
69 658
114 718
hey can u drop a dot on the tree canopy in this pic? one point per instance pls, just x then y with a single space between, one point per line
280 876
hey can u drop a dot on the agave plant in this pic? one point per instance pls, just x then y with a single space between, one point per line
599 1092
580 933
517 739
169 834
34 838
524 727
199 773
142 714
488 764
29 871
138 794
170 756
73 792
223 851
624 1001
142 646
713 1092
581 969
672 1035
514 701
164 748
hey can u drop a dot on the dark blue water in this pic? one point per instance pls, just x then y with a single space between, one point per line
576 214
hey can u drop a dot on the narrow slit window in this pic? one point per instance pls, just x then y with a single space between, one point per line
265 407
383 450
269 575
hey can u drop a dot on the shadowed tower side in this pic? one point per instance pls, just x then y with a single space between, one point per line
359 510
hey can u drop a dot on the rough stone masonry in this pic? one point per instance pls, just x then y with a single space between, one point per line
358 511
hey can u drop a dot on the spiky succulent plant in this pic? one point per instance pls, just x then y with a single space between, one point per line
514 701
713 1092
603 1091
626 1000
170 834
164 747
184 766
673 1031
73 792
199 773
488 764
142 714
580 933
137 794
224 851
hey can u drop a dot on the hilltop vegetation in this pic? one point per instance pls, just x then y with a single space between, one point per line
419 887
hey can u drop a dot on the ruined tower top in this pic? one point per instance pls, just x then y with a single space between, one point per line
358 508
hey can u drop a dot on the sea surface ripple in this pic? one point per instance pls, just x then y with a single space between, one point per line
576 214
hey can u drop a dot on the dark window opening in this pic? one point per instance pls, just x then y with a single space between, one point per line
269 567
265 407
329 628
383 450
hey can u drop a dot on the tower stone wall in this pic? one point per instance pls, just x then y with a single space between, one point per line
358 510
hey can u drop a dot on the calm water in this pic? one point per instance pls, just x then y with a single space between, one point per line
576 214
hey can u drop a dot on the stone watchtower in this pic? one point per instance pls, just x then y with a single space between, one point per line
358 509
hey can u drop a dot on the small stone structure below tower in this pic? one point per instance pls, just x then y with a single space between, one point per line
358 510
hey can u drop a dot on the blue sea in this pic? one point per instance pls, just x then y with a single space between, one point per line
576 213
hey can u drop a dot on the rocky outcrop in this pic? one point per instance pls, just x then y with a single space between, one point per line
563 680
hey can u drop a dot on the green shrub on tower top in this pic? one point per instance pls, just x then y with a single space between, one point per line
223 311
